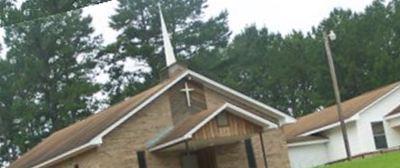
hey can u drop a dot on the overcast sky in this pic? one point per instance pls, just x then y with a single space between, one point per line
278 15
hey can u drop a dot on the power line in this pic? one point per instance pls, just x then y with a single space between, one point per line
24 19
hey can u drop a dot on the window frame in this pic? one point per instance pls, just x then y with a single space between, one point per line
379 136
141 158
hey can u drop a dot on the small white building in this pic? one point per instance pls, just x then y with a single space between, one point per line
372 122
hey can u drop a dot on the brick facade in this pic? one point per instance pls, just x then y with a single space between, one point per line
119 147
178 102
275 148
231 156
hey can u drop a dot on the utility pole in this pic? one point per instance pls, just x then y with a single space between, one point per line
336 90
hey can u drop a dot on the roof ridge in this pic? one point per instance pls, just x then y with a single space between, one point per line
117 109
93 115
94 127
360 95
325 118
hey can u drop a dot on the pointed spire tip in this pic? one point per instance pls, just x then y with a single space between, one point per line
168 49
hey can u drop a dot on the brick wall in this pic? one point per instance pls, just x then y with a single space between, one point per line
178 102
119 146
275 148
231 156
274 140
215 99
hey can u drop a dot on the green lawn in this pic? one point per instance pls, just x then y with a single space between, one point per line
388 160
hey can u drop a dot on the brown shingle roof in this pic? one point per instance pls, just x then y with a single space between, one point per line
185 126
83 131
329 116
182 131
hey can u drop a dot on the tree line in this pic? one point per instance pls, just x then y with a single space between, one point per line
47 78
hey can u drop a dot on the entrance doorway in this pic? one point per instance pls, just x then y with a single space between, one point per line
206 158
203 158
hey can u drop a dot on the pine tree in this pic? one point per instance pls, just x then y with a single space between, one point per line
273 69
365 53
49 79
6 6
140 40
8 10
291 72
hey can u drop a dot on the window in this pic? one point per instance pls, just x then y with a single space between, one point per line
141 159
379 135
222 119
251 160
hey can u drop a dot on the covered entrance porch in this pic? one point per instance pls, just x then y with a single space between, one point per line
236 152
202 158
214 138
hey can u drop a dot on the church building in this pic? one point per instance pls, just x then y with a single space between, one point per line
185 121
372 121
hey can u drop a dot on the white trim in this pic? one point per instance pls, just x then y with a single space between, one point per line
321 141
204 122
250 116
175 141
386 117
98 139
257 120
355 117
336 124
93 143
286 117
141 106
379 99
203 78
392 116
188 135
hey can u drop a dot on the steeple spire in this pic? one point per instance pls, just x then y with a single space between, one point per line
168 50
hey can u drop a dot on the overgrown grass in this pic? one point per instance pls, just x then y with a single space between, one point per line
387 160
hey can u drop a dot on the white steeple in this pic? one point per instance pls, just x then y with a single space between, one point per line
168 50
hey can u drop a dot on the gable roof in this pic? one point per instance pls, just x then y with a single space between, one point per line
394 113
184 130
283 117
89 132
326 118
82 131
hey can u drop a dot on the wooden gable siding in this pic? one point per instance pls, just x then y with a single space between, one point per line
216 99
236 127
179 108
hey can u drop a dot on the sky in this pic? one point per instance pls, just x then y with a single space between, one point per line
281 16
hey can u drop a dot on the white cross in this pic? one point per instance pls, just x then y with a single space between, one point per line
187 91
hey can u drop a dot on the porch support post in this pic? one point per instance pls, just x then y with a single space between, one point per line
187 147
263 150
